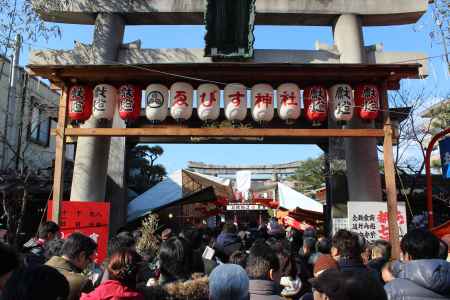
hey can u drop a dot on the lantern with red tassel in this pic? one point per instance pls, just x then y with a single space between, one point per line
130 97
367 100
80 103
316 104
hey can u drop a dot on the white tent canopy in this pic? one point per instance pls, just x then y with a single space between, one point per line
168 191
291 199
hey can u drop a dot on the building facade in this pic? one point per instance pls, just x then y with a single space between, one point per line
26 119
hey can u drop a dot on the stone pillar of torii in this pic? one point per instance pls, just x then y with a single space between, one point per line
99 158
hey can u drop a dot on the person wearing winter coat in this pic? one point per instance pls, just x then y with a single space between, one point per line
122 268
176 280
9 259
41 282
263 269
35 248
77 253
346 250
227 242
424 279
421 274
381 253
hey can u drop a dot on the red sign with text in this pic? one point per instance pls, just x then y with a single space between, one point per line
89 218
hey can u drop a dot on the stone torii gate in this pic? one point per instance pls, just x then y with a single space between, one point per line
346 17
261 169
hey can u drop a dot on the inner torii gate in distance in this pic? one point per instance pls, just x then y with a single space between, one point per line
261 169
111 17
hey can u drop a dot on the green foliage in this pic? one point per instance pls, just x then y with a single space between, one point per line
310 175
142 172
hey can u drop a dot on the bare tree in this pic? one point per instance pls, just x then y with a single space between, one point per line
440 30
415 132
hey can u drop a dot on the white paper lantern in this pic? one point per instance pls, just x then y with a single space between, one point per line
105 99
342 102
208 102
288 101
156 102
181 101
262 102
235 98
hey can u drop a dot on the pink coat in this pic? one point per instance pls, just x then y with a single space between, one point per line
112 290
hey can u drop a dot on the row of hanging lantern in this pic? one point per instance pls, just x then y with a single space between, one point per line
101 101
340 101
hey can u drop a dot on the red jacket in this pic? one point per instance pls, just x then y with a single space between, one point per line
112 290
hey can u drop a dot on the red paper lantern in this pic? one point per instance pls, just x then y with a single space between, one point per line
130 97
316 103
367 100
80 103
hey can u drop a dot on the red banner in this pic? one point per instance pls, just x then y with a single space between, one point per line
89 218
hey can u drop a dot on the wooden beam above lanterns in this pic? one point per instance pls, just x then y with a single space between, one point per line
228 72
168 132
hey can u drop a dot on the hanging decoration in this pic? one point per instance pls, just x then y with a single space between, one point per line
181 101
156 102
130 97
104 101
80 103
235 99
262 102
316 104
367 100
208 102
288 102
342 102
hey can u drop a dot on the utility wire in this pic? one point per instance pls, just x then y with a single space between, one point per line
224 83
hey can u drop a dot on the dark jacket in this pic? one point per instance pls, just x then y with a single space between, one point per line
226 244
111 290
34 253
263 290
355 266
78 283
424 279
376 265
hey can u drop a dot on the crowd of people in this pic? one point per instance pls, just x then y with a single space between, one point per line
268 262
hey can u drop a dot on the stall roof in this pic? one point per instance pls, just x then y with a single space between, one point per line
291 199
176 186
